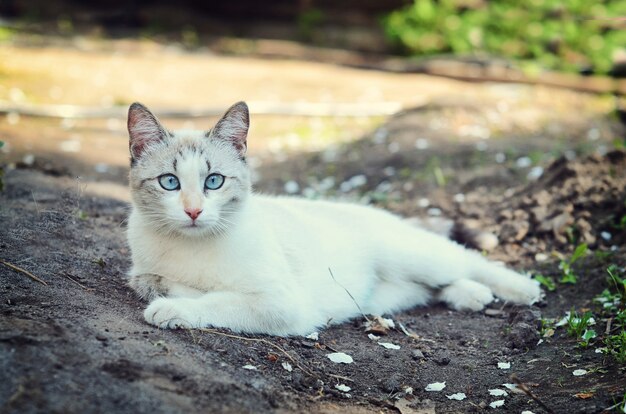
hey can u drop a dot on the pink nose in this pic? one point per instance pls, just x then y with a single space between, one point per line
193 212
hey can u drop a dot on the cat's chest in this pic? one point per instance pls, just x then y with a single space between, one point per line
198 264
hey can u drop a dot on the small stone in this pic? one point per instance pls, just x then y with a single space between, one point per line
443 361
417 355
523 336
392 384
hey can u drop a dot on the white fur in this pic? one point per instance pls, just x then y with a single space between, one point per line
263 264
270 272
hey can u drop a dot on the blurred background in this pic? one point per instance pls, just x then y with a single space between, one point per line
378 101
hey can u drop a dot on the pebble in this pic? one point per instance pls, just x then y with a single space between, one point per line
442 361
291 187
417 355
434 212
535 173
29 159
421 143
523 162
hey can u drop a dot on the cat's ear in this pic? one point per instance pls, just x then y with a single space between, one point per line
233 127
144 129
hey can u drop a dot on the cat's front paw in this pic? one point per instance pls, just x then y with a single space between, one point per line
465 294
172 313
520 290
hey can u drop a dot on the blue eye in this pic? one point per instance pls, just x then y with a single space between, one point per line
169 182
214 181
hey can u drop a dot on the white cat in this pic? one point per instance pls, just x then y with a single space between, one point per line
207 251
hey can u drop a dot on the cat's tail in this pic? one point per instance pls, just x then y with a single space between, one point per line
466 232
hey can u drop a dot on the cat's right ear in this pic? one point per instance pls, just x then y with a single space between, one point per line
144 129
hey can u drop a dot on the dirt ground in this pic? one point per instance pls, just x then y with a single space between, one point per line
79 343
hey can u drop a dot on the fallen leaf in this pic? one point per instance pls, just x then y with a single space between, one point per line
389 345
272 357
340 358
459 396
379 325
435 386
496 404
584 395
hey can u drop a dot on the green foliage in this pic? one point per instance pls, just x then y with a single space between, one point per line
577 324
566 265
616 346
547 282
613 301
617 282
566 35
307 21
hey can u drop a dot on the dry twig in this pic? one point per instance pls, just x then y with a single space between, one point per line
25 272
349 294
264 341
528 392
77 282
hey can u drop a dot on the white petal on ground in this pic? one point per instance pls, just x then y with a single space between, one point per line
579 372
314 336
373 337
496 404
389 345
504 365
436 386
287 366
510 386
459 396
343 387
408 390
527 412
497 392
340 358
250 367
563 321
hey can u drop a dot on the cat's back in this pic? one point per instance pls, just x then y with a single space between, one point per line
321 215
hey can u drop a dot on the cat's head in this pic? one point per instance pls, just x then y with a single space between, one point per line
188 183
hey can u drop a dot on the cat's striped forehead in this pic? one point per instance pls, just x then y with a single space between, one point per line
190 150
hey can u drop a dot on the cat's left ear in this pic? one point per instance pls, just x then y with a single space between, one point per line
233 127
144 129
